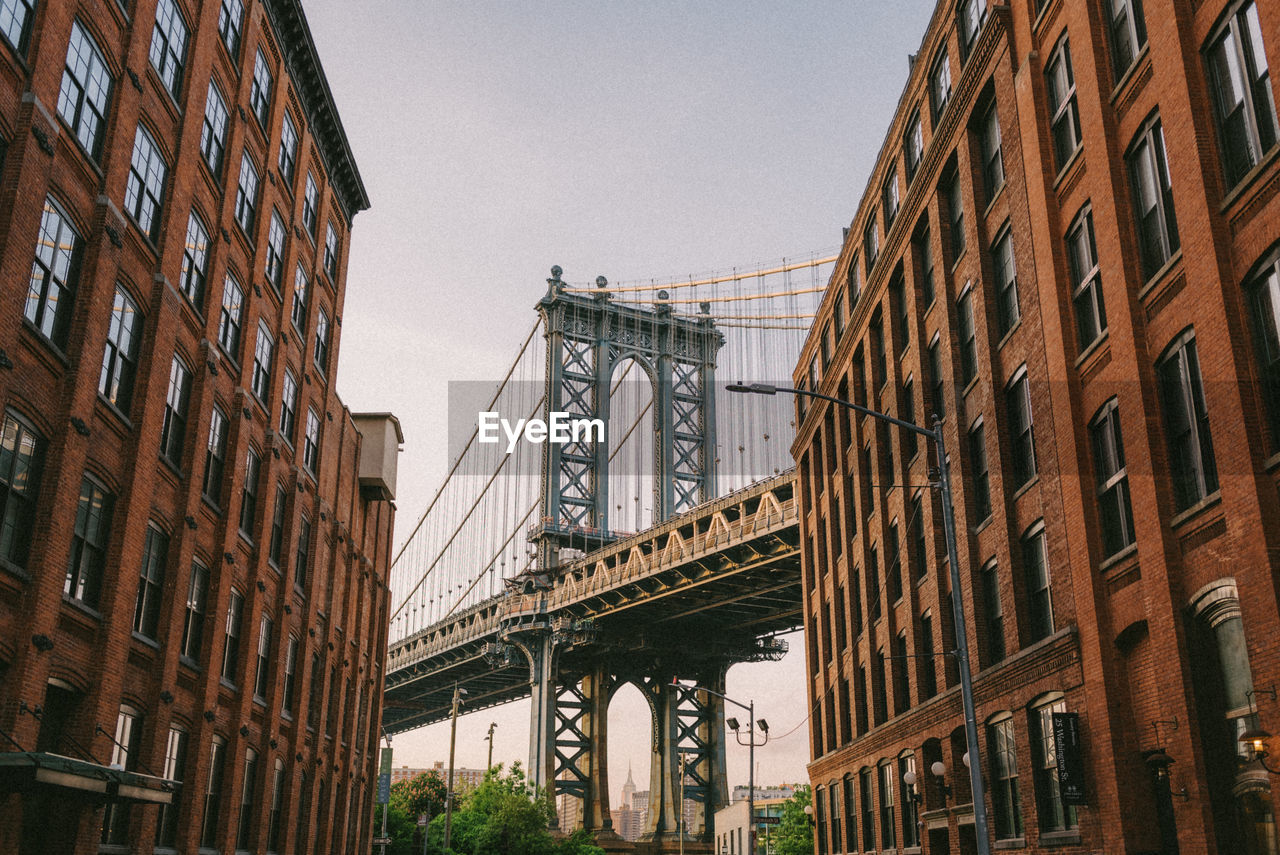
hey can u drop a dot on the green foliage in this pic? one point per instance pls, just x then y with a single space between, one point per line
794 835
423 793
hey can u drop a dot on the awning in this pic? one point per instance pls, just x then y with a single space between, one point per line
21 770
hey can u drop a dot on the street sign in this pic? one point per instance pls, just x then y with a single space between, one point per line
422 820
382 841
768 820
384 777
1070 758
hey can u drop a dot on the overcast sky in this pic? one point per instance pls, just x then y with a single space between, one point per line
633 140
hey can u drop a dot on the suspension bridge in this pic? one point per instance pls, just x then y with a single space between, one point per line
658 555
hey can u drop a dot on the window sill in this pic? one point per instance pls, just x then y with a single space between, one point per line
1008 334
14 570
1250 178
187 661
1075 159
1060 838
1044 15
982 526
968 387
227 684
1031 482
82 606
1272 463
1092 348
1155 279
115 411
995 197
1112 561
1012 843
210 504
246 537
48 343
142 639
173 467
1195 510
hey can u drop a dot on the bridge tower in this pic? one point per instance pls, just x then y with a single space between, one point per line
588 335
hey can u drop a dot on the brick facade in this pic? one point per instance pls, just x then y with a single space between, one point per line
277 647
1158 623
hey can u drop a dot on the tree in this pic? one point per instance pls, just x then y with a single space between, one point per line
421 794
794 835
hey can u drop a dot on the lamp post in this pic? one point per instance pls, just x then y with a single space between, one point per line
732 724
943 486
458 694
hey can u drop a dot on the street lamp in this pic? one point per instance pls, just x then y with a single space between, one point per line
733 724
943 485
458 694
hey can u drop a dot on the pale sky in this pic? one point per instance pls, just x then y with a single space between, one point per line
634 140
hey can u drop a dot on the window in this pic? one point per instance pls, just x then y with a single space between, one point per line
311 444
913 146
244 827
1112 479
1017 396
175 766
125 746
317 686
213 134
893 558
299 313
288 149
910 439
290 677
833 801
169 45
1153 198
1128 33
1186 424
195 261
993 612
901 312
901 682
1006 283
277 803
837 316
850 812
288 406
910 809
1004 779
937 377
868 810
888 829
275 251
331 252
247 197
870 243
1091 311
86 88
879 361
970 16
1054 815
229 321
924 257
275 546
1263 292
968 338
1039 597
193 618
955 216
262 681
992 161
320 355
89 544
249 493
1241 84
1062 104
302 556
230 16
310 205
855 283
260 90
174 427
979 471
928 668
146 613
262 355
52 289
21 456
890 194
879 688
869 482
15 22
213 793
819 820
939 85
231 649
120 356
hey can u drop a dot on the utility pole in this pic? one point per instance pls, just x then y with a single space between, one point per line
458 694
493 725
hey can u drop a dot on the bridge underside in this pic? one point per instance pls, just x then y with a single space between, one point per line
665 610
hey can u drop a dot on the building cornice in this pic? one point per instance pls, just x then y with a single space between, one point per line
300 55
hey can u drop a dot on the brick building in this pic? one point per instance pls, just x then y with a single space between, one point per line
194 531
1067 250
